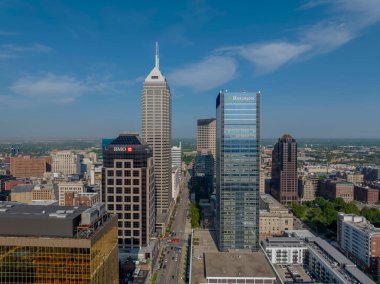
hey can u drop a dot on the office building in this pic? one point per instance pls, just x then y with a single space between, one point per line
333 189
66 162
70 186
284 184
237 170
275 218
176 181
128 188
206 135
202 179
44 192
88 199
53 244
360 240
156 130
177 156
308 187
27 166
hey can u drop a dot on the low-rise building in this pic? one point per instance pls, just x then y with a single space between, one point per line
366 194
308 187
285 250
360 240
70 186
332 189
22 193
275 218
355 178
88 199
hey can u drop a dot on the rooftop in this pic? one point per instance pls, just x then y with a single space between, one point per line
127 139
205 121
22 220
23 188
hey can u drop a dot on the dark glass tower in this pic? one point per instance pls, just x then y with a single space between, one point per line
284 183
238 170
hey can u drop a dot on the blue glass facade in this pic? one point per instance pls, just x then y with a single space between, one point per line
237 170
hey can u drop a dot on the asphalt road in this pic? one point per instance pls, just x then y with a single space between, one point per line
173 264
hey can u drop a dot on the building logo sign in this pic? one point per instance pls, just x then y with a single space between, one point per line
128 149
235 98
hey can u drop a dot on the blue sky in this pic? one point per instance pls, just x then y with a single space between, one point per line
75 68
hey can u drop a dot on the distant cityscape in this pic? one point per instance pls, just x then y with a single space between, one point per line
226 207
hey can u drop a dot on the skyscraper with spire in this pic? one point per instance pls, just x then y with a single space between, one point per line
156 129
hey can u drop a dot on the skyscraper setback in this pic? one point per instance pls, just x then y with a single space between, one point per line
284 185
237 170
156 130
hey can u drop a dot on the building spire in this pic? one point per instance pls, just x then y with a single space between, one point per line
157 59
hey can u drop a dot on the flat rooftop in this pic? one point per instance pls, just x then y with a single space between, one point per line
236 264
22 220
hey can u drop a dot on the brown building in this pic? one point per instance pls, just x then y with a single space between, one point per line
284 185
81 198
9 184
22 193
27 166
332 189
128 189
366 194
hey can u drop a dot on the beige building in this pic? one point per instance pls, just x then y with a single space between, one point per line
41 192
206 135
355 178
65 162
70 186
27 166
156 130
308 187
274 217
22 193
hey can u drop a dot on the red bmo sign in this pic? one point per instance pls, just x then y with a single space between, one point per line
129 149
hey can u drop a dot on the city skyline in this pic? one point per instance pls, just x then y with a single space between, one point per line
75 70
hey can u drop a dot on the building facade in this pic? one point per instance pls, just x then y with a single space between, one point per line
156 130
70 186
284 184
360 240
308 187
366 194
333 189
275 218
237 170
88 199
128 189
66 162
285 250
28 166
206 135
177 156
53 244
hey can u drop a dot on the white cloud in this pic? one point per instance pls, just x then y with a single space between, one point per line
205 75
62 89
9 51
346 21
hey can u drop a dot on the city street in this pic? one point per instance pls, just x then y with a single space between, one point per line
172 266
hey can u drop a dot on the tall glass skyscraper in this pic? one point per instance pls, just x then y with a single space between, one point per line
238 170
